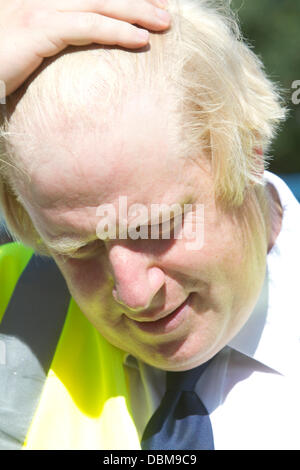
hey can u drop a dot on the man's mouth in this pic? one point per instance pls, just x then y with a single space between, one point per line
167 323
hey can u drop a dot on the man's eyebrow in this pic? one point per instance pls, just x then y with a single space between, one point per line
65 245
166 212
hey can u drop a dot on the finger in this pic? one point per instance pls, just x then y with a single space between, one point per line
80 5
80 29
159 3
139 12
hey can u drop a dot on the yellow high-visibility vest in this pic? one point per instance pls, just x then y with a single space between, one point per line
84 403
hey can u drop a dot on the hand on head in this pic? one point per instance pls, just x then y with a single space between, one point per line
35 29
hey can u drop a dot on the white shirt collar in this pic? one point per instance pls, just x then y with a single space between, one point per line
272 334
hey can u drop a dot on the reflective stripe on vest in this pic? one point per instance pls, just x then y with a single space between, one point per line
83 402
30 331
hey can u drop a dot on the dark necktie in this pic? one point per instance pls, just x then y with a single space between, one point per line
181 422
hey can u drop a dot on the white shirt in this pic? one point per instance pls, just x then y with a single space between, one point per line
252 387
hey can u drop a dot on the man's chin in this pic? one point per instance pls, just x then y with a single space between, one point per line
174 360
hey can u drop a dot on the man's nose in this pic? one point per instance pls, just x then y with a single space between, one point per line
137 279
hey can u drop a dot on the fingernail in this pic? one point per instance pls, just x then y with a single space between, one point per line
163 3
163 15
143 34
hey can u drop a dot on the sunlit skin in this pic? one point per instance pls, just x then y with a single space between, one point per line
126 287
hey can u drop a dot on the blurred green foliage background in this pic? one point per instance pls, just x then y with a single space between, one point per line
272 28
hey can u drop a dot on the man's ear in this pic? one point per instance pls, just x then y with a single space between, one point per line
259 161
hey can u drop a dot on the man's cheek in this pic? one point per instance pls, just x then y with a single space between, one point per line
85 277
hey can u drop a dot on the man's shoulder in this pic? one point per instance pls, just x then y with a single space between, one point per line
13 260
15 254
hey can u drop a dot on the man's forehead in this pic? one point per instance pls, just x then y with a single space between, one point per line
89 183
77 218
137 149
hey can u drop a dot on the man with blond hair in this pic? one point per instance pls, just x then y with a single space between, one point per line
133 171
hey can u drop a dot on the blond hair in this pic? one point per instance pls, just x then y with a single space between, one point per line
223 106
